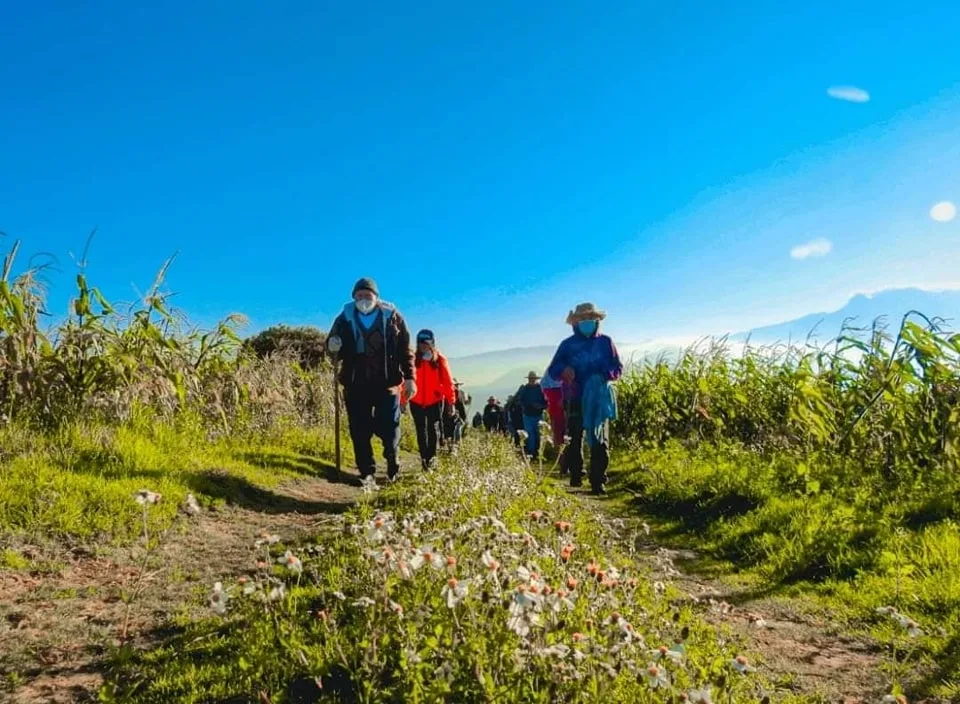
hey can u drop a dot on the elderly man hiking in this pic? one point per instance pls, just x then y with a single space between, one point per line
587 362
371 339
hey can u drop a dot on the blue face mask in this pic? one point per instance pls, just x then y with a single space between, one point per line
587 328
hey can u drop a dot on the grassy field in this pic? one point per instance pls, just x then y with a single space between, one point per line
826 473
478 583
172 529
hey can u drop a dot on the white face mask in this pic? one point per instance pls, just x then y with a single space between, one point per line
365 305
427 356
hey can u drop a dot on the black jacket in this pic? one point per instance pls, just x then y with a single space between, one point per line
493 417
398 355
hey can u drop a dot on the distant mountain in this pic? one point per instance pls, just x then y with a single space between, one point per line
501 373
861 311
478 369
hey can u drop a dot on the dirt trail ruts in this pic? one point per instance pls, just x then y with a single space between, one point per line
796 650
55 627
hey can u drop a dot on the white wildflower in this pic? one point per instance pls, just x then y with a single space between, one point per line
656 677
191 506
454 592
291 562
559 650
277 593
267 539
700 696
218 599
147 498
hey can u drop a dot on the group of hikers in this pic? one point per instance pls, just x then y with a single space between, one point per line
382 373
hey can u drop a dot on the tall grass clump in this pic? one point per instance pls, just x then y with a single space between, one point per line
111 397
804 464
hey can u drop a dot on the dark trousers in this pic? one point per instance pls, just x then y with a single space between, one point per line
427 421
573 455
373 411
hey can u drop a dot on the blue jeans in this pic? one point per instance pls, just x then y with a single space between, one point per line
531 424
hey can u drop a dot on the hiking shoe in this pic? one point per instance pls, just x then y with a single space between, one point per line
598 490
576 482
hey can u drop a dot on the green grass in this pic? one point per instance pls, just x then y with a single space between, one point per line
78 482
13 560
408 644
815 527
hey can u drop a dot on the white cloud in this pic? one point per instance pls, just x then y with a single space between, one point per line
944 211
851 94
814 248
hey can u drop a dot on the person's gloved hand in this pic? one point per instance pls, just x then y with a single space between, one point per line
410 388
334 344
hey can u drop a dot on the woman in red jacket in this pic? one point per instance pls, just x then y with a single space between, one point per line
435 390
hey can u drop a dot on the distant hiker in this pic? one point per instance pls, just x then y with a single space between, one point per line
371 339
587 362
477 420
514 418
493 416
435 397
553 391
532 404
463 400
456 425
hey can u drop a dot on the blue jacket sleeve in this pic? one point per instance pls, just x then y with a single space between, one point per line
616 366
559 362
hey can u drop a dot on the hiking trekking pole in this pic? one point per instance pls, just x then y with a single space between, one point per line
336 415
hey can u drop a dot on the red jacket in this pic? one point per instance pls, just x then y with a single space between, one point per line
434 382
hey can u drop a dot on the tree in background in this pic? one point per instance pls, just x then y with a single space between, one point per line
306 343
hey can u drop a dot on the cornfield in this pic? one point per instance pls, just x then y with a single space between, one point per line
889 401
103 363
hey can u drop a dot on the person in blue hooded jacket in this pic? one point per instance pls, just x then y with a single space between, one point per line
587 362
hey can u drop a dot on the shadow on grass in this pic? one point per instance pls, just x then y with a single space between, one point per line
946 669
237 491
300 464
208 649
100 463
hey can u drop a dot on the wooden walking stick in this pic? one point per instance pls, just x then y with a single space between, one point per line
336 414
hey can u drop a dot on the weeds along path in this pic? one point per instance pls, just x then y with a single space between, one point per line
56 625
796 649
481 582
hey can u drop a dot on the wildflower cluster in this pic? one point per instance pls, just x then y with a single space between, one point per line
477 582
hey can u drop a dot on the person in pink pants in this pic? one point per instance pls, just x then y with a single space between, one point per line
553 390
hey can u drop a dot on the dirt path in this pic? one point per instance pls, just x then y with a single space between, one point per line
797 650
56 626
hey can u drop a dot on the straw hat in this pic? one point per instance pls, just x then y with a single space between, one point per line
533 376
585 311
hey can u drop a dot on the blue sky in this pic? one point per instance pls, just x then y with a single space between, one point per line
491 165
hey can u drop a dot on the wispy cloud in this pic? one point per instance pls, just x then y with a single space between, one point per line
944 211
851 94
814 248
